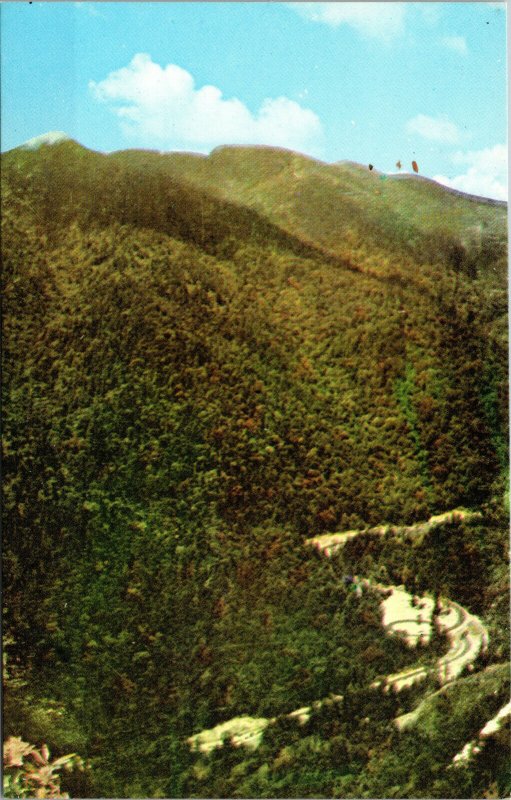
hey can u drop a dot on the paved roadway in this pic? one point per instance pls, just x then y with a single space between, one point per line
466 633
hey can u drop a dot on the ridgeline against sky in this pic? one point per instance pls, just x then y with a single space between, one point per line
374 82
208 361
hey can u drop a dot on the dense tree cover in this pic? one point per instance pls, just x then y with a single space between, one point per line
190 390
354 751
369 211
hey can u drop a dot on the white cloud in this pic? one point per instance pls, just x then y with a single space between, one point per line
377 20
436 129
456 43
162 107
52 137
485 173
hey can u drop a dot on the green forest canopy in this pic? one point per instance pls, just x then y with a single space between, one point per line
206 361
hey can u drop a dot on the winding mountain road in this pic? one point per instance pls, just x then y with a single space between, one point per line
476 745
402 615
330 543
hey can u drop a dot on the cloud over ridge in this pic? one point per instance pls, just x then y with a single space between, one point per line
485 172
163 107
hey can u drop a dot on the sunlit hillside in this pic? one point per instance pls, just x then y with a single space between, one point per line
346 207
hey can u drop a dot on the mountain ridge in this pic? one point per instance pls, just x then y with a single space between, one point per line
54 137
339 209
208 361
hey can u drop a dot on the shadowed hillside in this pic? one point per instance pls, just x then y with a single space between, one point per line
207 361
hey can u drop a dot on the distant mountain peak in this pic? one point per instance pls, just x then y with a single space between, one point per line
52 137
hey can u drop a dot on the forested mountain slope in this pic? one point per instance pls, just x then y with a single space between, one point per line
203 368
347 208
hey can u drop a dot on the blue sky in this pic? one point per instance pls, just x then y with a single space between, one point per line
371 82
